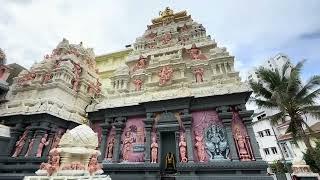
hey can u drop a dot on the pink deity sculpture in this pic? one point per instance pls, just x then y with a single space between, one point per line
25 80
242 146
165 75
47 76
20 143
183 149
91 89
93 165
166 38
76 79
110 148
76 165
31 142
56 139
154 150
198 73
200 147
53 162
195 53
43 142
138 84
127 145
141 64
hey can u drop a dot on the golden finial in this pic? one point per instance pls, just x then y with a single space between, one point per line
167 12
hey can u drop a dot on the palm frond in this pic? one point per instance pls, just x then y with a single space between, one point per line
310 98
312 83
265 103
260 90
313 111
276 117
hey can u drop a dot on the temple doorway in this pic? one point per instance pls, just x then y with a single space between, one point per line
168 145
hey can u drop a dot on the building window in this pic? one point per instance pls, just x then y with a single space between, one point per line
266 151
274 150
267 132
285 150
260 133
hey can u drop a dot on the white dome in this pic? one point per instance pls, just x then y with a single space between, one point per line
80 136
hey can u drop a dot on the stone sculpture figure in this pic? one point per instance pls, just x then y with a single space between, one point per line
93 165
183 149
31 142
56 140
154 150
200 147
195 53
141 64
165 75
20 143
138 84
127 145
216 145
47 76
170 162
53 163
198 73
43 142
76 79
166 38
242 146
110 148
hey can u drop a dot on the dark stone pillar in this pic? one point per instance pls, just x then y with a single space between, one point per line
186 118
148 127
28 140
51 136
105 131
226 118
15 134
119 125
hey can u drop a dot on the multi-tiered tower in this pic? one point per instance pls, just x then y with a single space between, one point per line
176 104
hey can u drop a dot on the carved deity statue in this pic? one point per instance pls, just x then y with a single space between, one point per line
170 162
53 162
56 139
127 146
47 76
138 84
93 165
166 38
20 144
110 148
242 146
141 64
216 144
200 147
154 150
198 73
76 79
43 142
195 53
183 149
165 75
31 142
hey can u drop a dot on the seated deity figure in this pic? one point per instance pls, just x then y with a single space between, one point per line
183 149
170 162
154 150
216 145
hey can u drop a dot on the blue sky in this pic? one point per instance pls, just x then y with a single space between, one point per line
251 30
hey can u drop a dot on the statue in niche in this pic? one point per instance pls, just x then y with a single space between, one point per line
56 140
154 150
166 38
127 146
93 165
216 144
198 73
47 76
183 149
76 79
43 142
170 163
195 53
110 148
141 64
200 146
242 147
20 144
53 162
165 75
138 84
31 142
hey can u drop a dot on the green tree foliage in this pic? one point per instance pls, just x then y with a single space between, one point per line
310 161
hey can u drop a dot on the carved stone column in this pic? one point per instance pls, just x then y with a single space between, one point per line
15 133
226 118
119 125
253 141
105 131
30 135
186 118
148 126
51 136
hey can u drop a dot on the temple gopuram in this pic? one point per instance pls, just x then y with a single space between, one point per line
170 106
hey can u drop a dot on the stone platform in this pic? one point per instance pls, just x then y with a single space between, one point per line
100 177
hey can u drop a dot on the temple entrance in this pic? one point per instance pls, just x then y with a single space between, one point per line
168 145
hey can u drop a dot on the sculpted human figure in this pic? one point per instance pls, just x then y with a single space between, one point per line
198 74
110 148
47 76
166 38
200 146
93 165
141 64
170 162
241 145
165 75
154 150
195 53
43 142
56 140
53 162
76 79
183 149
128 140
138 84
20 144
31 142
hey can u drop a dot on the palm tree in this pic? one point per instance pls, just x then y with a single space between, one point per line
283 90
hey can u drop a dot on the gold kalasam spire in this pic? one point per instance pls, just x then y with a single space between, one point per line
167 12
168 16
